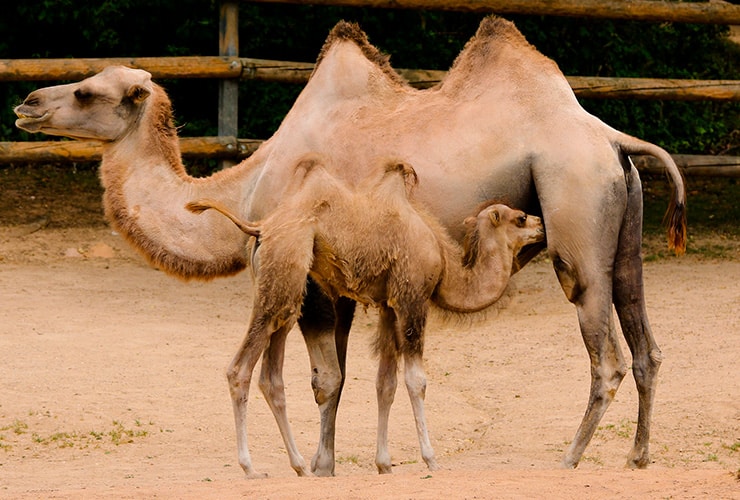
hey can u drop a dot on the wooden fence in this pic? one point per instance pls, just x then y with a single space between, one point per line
231 69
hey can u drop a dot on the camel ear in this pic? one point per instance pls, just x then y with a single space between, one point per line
495 217
469 221
137 94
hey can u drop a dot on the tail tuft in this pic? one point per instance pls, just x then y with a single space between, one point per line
675 219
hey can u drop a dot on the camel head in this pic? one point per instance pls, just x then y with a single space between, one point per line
499 228
103 107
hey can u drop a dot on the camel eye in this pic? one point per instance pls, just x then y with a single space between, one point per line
83 96
522 220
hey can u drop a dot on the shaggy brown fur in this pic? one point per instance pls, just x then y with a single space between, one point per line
345 31
334 213
373 246
157 117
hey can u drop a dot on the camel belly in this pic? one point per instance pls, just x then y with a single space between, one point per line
338 281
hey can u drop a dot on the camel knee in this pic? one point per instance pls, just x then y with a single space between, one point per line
567 276
414 376
386 390
273 390
645 370
326 385
238 383
416 382
608 379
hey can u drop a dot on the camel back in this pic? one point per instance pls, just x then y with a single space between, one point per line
497 51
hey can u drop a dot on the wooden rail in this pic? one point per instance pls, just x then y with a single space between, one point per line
592 87
27 70
80 151
231 67
714 12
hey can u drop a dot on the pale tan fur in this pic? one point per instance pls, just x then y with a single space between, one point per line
372 245
503 125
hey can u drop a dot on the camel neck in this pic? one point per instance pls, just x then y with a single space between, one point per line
146 190
469 289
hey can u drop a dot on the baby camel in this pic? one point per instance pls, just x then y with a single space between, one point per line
371 244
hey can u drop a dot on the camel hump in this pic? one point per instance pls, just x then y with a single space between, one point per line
407 173
345 31
307 164
311 170
494 27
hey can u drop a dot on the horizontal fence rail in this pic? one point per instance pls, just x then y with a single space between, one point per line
230 69
237 149
82 151
714 12
27 70
592 87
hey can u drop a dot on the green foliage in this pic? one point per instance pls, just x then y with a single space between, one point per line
415 39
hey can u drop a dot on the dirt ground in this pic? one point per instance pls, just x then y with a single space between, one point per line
112 386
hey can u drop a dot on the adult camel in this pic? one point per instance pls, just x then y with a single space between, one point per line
504 124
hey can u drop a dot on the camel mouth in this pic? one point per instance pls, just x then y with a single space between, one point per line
30 123
537 235
35 125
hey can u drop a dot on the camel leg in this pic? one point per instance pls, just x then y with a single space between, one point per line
325 327
385 384
239 375
607 370
416 384
585 273
629 300
272 387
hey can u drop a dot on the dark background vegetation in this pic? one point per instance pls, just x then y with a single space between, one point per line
414 39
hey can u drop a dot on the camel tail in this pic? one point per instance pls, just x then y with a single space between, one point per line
200 206
675 216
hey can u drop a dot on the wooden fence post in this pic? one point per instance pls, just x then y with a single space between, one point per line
228 92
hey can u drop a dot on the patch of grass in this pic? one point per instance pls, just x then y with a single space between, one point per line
732 447
624 429
351 459
119 434
60 439
17 427
592 459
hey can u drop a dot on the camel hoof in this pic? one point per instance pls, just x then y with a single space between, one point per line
638 458
384 469
569 464
255 475
322 467
323 473
637 463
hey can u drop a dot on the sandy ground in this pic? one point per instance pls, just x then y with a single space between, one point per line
112 386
